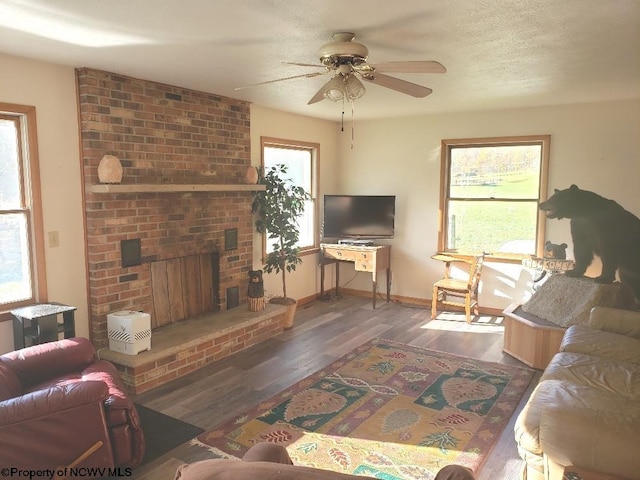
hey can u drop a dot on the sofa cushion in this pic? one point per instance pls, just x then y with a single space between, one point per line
62 380
560 394
10 385
610 377
39 363
583 339
615 320
239 470
597 440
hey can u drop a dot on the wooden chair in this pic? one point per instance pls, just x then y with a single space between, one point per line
462 289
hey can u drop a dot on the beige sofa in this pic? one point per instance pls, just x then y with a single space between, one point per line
585 411
268 461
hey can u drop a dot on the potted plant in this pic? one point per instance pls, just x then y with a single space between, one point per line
278 209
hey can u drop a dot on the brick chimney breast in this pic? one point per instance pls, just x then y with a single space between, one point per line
162 135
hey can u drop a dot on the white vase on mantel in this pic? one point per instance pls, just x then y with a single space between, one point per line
110 170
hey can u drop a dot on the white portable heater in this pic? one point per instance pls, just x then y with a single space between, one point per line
129 332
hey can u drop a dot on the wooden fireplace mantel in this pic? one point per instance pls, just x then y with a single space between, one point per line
159 188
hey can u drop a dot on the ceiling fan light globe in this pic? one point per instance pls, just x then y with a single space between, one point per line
335 90
334 95
354 88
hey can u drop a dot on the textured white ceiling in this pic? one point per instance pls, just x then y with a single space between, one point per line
498 53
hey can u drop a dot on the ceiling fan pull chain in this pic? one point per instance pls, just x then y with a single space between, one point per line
353 123
342 121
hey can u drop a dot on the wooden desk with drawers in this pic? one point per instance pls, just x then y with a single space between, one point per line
365 259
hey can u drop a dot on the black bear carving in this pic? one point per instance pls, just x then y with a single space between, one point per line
599 226
256 285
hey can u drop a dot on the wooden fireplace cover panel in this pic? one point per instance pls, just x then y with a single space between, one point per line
182 288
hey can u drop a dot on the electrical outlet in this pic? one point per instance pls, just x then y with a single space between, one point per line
54 239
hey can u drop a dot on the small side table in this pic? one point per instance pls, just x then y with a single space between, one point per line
39 323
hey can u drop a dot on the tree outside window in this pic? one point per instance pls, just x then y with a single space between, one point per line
301 160
490 194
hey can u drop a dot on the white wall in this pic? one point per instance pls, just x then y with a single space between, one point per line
51 89
596 146
305 281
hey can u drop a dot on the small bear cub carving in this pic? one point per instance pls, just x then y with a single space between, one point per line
256 285
555 251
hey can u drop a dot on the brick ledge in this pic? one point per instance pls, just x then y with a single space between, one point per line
183 347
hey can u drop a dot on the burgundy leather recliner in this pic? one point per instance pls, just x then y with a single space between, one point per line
57 400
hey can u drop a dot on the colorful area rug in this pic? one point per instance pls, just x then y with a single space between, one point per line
386 410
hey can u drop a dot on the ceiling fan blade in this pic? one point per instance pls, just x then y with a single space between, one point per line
317 65
397 84
410 67
305 75
319 96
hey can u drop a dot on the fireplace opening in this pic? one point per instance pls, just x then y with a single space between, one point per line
185 287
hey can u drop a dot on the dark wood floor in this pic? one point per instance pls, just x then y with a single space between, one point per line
323 332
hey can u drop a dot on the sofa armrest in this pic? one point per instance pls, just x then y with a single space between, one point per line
615 320
41 403
121 415
36 364
50 428
591 439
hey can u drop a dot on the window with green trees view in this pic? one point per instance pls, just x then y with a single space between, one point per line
490 194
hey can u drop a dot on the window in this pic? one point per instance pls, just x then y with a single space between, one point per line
301 160
490 190
22 275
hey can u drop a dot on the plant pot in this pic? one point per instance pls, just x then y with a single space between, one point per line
291 305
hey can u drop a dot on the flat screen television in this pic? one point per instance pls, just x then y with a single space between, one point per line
359 216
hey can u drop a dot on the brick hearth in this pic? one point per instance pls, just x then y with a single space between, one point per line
181 348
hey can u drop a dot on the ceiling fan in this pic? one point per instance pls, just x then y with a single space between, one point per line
347 60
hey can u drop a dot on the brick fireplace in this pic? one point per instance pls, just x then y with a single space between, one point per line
169 137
